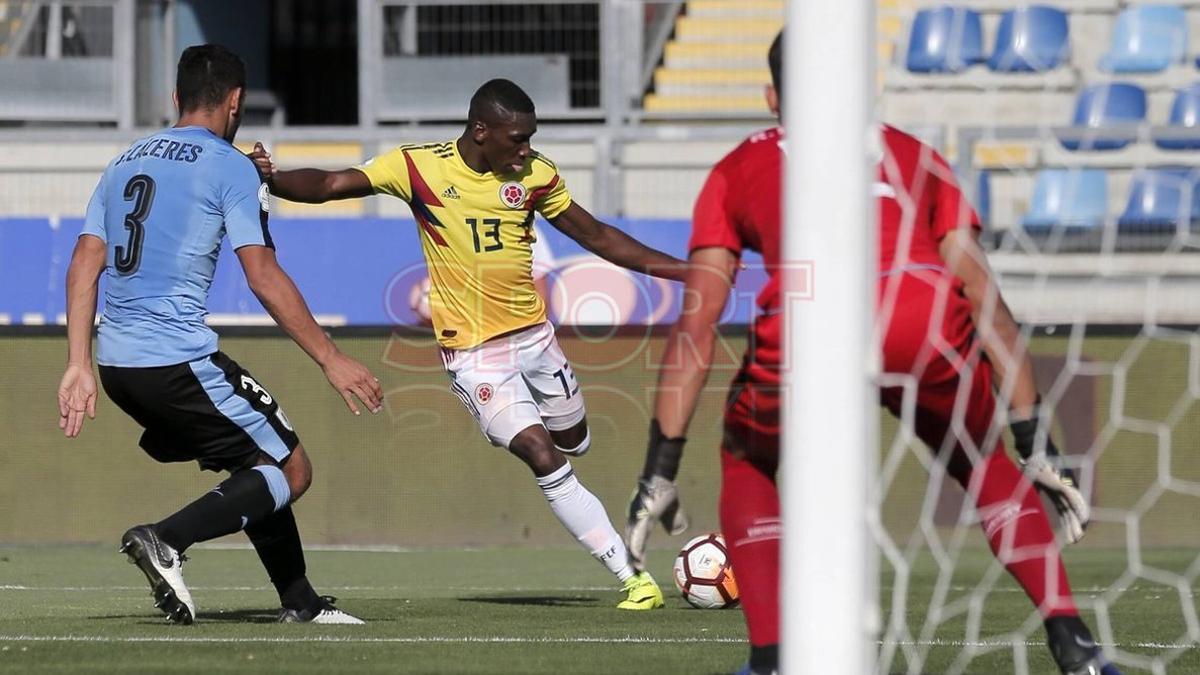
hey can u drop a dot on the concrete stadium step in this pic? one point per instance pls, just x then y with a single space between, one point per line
885 53
748 9
691 29
716 90
716 54
891 28
712 76
714 49
716 62
693 104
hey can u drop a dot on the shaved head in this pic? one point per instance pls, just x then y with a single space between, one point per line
498 101
775 61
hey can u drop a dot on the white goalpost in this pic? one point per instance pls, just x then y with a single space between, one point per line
830 410
1109 314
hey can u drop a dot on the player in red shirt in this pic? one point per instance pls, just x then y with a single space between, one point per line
947 330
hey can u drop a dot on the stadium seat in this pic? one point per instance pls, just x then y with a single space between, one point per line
983 197
1147 39
1185 114
1031 39
1161 198
1107 105
1068 198
945 40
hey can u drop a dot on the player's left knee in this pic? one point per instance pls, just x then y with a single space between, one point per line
300 484
298 471
535 447
574 441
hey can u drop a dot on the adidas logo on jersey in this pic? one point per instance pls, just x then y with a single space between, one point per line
450 193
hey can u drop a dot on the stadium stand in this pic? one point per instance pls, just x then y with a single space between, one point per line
945 40
1147 39
990 84
1031 39
1161 198
62 66
1185 114
1107 105
1068 198
713 63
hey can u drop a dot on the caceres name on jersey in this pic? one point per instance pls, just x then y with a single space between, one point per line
162 208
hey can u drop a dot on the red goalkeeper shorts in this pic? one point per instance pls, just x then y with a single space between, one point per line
930 343
930 346
753 406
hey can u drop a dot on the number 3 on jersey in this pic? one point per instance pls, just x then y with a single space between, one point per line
490 231
140 191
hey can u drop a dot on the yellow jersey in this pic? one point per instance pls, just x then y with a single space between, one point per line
476 233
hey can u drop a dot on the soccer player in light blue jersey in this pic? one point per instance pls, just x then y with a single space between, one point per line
154 226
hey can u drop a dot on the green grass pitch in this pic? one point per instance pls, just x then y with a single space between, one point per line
511 610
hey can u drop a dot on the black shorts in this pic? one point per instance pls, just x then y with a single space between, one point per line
210 410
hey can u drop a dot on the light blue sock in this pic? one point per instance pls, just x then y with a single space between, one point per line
277 484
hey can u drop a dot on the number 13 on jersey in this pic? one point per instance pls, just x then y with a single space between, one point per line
486 234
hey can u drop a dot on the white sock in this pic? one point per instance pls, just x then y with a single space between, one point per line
584 517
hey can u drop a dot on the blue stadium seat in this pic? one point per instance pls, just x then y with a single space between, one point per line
945 40
1147 39
1031 39
983 197
1185 114
1107 105
1161 198
1068 198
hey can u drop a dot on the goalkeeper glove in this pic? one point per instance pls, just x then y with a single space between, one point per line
656 497
1047 472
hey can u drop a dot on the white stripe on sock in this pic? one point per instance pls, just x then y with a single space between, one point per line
585 518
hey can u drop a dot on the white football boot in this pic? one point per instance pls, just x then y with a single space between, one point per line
163 567
324 613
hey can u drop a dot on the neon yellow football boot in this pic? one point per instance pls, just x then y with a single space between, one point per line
644 593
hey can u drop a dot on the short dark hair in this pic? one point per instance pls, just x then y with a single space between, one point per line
775 60
206 75
497 99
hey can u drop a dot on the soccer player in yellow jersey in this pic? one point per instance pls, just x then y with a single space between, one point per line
474 200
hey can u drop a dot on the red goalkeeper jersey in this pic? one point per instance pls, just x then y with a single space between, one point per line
740 208
918 203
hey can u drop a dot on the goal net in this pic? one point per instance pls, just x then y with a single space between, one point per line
1073 148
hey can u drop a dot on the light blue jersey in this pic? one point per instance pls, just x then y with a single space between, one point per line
162 208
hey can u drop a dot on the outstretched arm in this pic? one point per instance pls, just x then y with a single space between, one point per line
685 368
279 295
77 390
1008 352
311 186
1002 339
617 247
688 356
316 186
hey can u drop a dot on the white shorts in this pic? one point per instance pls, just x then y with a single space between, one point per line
514 382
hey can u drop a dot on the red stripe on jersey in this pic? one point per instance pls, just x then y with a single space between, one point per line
422 199
535 195
429 227
420 189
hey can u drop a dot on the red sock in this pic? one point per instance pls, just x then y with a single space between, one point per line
750 523
1015 523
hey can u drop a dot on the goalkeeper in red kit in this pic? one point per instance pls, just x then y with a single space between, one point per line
946 331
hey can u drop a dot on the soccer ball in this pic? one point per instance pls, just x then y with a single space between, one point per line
703 574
